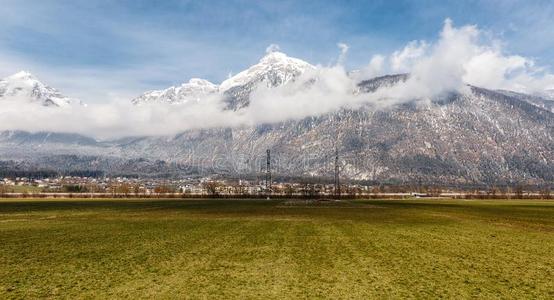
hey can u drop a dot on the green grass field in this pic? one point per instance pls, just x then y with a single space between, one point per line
276 249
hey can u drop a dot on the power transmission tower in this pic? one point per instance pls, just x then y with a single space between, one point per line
268 174
337 173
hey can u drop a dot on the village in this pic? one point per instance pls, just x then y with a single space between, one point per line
254 188
199 186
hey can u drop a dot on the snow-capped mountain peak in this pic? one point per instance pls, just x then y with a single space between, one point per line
275 68
22 75
201 82
194 90
276 57
24 86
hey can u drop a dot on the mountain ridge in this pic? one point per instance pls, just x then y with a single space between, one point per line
479 136
273 69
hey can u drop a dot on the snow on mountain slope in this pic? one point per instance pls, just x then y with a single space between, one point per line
371 85
479 136
24 86
194 90
274 69
549 94
534 100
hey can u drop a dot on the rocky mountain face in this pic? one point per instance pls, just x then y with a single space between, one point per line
373 84
479 136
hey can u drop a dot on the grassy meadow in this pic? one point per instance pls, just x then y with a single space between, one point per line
276 249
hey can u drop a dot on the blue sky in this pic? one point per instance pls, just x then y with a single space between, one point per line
95 50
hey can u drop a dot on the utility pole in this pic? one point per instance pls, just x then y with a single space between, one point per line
268 174
337 173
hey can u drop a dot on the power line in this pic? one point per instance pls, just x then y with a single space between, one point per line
337 173
268 173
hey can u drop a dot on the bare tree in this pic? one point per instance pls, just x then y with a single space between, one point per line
162 189
211 187
3 190
518 191
493 190
545 192
289 190
124 189
136 189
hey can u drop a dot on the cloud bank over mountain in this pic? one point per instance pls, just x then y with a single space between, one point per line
293 89
468 55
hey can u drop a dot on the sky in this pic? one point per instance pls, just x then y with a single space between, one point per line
103 51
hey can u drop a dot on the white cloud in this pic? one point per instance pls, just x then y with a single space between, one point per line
402 60
116 119
466 55
272 48
343 51
460 56
376 67
304 97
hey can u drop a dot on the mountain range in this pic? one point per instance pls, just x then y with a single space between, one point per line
272 70
481 136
